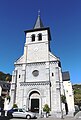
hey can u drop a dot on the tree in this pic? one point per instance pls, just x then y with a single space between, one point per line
77 94
8 78
4 76
77 99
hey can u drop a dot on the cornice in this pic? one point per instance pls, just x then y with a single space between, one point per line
34 83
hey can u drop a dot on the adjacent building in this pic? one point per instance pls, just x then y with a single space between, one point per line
68 91
4 92
37 76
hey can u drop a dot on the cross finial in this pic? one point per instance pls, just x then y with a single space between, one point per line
38 12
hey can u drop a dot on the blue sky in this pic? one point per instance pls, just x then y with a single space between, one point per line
62 16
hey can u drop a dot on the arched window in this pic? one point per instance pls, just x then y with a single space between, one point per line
39 36
33 37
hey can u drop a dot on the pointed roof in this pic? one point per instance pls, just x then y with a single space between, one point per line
38 26
38 23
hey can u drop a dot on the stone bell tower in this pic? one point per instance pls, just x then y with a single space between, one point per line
37 43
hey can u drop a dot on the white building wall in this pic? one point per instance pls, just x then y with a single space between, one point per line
41 67
24 94
55 89
69 97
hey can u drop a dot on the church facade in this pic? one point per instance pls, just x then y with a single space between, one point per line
37 77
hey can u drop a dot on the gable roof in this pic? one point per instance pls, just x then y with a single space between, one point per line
65 76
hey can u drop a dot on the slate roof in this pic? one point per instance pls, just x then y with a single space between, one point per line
38 23
65 76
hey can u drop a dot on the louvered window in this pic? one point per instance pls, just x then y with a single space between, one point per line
33 37
39 36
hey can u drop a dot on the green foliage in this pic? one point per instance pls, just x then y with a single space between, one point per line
5 77
1 102
63 98
77 94
8 78
77 99
15 105
46 108
8 98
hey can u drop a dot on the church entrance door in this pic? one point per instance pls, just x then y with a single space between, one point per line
35 105
34 101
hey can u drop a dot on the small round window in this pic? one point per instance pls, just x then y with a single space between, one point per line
35 73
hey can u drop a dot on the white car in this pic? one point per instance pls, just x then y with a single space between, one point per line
21 113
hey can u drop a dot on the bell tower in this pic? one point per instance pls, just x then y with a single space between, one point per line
37 43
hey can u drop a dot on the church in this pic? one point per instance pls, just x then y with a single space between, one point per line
37 78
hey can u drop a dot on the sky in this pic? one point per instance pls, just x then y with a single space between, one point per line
62 16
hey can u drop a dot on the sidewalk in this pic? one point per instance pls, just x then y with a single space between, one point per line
78 115
49 118
52 118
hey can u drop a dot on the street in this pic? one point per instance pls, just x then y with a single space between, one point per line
76 117
50 118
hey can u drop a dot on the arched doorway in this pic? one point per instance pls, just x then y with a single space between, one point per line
34 101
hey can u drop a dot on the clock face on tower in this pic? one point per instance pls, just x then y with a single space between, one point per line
35 73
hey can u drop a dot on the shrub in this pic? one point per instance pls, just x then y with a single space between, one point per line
46 108
15 105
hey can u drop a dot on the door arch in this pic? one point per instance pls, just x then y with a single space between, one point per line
34 101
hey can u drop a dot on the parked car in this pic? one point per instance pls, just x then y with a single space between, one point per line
20 113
